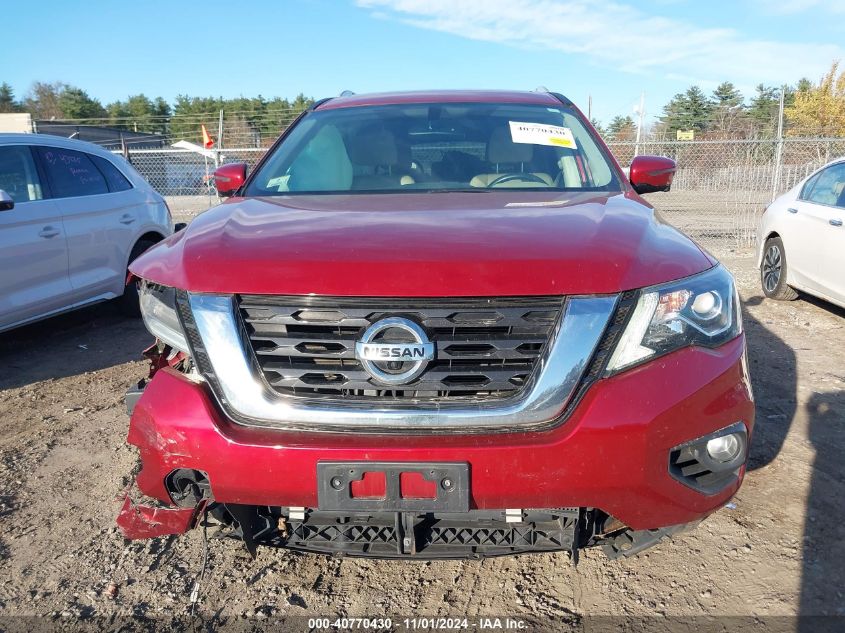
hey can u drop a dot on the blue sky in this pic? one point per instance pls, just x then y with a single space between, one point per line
610 50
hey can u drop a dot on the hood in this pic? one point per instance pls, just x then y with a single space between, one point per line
507 243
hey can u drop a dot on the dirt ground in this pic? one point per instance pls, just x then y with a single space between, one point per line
778 550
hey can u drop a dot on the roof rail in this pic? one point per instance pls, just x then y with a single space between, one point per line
556 95
318 103
561 98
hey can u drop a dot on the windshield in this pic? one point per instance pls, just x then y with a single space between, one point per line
431 147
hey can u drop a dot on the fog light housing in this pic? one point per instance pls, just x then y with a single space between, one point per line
724 448
711 463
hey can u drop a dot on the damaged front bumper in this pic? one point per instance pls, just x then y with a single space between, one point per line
141 521
607 476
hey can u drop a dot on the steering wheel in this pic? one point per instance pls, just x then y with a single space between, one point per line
510 177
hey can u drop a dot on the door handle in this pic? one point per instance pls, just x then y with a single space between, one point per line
835 222
48 232
126 219
792 210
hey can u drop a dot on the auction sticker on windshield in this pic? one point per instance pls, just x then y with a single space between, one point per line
542 134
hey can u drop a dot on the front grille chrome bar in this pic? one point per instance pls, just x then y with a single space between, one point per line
248 399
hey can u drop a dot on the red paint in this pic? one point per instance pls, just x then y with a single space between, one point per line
442 96
415 486
372 485
652 171
424 245
229 178
612 453
143 521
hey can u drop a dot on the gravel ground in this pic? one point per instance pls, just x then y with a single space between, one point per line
777 551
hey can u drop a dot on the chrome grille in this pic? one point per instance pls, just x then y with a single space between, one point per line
485 348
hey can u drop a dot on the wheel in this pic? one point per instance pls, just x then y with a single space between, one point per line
773 271
129 301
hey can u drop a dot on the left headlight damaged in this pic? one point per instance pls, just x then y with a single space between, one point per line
161 317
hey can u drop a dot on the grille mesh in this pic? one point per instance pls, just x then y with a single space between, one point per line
485 348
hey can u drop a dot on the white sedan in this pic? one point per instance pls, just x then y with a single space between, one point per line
801 239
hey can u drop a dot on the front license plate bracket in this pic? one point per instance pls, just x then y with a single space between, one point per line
450 479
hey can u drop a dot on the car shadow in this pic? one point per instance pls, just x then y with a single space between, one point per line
823 547
85 340
774 376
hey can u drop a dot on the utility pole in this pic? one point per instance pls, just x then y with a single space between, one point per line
641 112
218 156
778 147
590 108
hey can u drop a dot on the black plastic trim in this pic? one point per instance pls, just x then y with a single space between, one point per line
451 483
710 477
318 103
564 100
412 535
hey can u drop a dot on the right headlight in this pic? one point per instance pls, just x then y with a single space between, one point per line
699 310
158 307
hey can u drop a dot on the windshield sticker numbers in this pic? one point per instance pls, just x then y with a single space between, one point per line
542 134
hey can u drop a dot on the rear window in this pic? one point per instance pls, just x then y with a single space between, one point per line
436 146
116 180
72 173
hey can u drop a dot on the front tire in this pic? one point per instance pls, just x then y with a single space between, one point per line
129 303
773 271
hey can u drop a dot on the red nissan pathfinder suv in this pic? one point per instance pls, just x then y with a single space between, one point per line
438 324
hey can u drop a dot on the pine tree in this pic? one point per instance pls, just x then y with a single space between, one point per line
7 98
621 128
764 107
727 95
689 110
75 103
727 110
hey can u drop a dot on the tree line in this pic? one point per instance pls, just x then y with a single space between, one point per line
811 109
252 120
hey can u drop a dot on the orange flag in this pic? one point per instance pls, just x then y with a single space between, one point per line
207 141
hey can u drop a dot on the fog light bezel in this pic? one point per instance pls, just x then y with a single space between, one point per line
692 465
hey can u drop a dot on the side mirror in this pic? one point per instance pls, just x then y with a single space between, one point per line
652 173
229 178
6 202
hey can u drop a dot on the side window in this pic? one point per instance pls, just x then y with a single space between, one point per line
72 173
116 180
828 187
18 176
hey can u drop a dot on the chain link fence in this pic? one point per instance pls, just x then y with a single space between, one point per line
179 172
722 187
718 194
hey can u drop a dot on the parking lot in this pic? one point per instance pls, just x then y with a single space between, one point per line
775 551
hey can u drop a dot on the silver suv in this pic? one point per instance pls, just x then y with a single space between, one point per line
72 217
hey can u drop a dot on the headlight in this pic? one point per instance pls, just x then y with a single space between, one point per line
158 307
699 310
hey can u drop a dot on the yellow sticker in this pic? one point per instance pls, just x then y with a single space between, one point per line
542 134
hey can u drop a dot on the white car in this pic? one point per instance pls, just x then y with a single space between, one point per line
802 239
72 217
